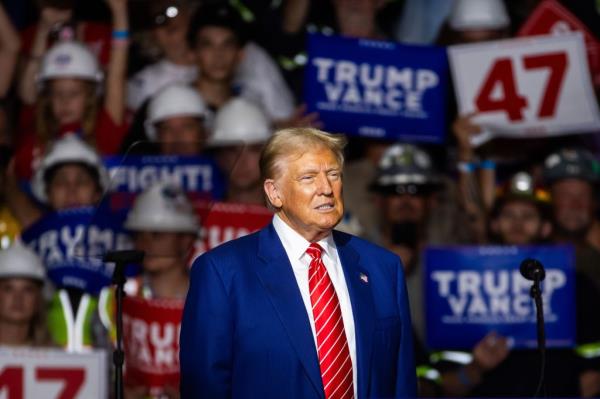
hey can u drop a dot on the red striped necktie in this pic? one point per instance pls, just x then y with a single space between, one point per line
333 351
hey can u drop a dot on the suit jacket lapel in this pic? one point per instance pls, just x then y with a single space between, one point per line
362 309
280 283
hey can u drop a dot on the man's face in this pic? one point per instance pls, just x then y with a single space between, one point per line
573 201
519 223
404 208
19 299
72 186
241 164
308 192
163 251
217 53
181 135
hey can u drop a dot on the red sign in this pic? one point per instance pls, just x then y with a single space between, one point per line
224 221
151 342
550 17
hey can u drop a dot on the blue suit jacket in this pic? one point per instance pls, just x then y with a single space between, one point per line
245 332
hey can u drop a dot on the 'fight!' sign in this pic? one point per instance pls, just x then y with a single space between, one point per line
471 291
198 176
376 88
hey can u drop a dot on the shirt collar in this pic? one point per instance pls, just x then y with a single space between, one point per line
296 245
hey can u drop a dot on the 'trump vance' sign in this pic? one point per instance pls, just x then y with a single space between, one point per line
71 244
376 88
473 290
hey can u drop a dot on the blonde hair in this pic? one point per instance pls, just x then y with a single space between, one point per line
47 125
296 140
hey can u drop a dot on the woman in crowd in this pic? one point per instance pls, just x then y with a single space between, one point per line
70 175
22 315
69 82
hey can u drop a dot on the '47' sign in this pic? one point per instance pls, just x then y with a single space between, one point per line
526 87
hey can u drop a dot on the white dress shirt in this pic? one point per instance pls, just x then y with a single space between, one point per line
295 247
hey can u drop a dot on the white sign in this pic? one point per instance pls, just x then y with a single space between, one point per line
51 373
526 87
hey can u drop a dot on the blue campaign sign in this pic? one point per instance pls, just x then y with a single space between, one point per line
470 291
376 88
71 244
135 173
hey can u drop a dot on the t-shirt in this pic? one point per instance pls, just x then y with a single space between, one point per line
29 152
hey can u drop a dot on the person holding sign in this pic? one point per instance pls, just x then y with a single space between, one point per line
406 186
22 315
70 177
520 216
164 227
298 310
65 83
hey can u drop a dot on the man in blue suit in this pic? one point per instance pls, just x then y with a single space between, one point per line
298 310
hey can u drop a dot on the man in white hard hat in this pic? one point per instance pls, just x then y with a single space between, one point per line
176 120
240 132
22 275
164 226
70 175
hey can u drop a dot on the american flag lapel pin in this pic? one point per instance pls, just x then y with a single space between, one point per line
364 278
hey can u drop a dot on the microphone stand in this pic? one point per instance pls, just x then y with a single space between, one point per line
533 270
121 259
536 294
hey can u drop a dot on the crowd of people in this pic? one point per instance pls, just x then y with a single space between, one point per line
212 80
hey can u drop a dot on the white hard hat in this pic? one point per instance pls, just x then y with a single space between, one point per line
20 261
478 14
174 100
163 207
69 149
240 122
70 59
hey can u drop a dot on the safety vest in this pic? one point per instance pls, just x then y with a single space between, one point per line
589 351
107 307
72 328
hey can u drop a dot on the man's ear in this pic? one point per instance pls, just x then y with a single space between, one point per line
272 193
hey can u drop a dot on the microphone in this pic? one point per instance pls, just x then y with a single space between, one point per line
532 269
